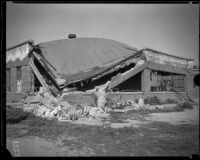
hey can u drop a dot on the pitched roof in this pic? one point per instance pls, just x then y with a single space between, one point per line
81 57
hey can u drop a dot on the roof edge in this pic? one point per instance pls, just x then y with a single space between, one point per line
22 43
160 52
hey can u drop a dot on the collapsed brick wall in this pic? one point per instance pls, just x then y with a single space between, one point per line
145 80
13 97
132 96
27 79
82 98
13 84
88 98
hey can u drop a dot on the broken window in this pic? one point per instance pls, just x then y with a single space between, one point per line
8 79
179 84
164 81
19 72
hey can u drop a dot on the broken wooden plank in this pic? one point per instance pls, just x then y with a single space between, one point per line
126 76
39 76
49 71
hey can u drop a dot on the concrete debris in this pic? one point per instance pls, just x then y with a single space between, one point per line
123 107
100 92
65 105
60 81
33 99
139 63
31 107
141 102
47 106
107 124
93 111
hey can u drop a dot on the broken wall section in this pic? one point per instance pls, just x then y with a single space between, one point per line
91 84
133 84
165 59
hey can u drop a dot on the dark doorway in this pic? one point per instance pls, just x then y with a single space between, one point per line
133 84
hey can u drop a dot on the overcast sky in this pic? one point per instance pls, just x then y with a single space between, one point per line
171 28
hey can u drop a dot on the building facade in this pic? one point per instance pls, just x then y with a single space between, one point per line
83 63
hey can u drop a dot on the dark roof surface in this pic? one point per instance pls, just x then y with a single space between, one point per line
82 57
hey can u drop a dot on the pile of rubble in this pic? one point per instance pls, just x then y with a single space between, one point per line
50 107
47 106
128 105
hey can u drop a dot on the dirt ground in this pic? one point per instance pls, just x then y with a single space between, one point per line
130 134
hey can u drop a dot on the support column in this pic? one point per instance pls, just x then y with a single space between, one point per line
189 83
146 81
13 80
26 78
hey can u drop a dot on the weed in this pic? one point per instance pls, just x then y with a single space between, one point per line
14 101
185 105
152 101
136 100
170 101
15 115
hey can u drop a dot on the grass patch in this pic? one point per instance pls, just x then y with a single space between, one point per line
170 101
15 115
185 105
156 101
14 101
165 140
152 101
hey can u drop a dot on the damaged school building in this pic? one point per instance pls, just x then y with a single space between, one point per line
78 65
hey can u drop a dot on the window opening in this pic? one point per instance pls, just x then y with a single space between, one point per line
8 79
19 74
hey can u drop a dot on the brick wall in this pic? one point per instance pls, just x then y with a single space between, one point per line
26 78
13 80
81 98
87 98
133 95
120 96
13 97
26 84
145 80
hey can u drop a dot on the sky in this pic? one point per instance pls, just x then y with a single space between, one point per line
170 28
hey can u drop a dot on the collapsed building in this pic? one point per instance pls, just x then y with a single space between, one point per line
78 65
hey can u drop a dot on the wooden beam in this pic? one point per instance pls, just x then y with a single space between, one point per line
50 73
124 76
44 63
167 68
39 76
